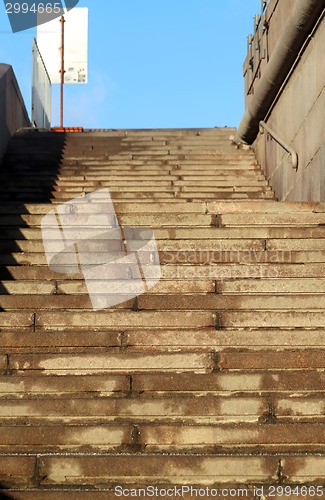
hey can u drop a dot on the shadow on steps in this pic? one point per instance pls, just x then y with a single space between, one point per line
28 175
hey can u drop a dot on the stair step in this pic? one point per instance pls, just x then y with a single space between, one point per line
176 167
285 287
178 469
192 410
114 470
272 286
170 302
158 339
264 207
213 208
266 437
272 219
136 360
186 410
168 438
20 236
233 271
168 219
70 320
146 196
129 183
228 302
227 338
280 382
269 319
14 288
218 271
180 252
120 208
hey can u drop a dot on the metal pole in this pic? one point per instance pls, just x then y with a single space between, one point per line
62 21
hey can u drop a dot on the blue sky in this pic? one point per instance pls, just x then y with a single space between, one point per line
152 63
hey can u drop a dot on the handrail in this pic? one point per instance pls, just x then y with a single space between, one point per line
294 156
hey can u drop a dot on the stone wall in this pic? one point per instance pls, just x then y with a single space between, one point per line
13 114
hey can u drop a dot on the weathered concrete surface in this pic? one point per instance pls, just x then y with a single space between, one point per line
13 114
214 377
298 118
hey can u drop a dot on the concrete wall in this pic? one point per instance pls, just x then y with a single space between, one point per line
13 114
297 115
276 16
299 118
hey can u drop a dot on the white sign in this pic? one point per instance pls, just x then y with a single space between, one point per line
75 46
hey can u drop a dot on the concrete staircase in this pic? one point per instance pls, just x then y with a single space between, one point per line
214 378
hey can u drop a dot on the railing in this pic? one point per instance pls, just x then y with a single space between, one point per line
41 91
294 156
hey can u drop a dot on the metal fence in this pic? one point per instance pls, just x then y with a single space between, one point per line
41 91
